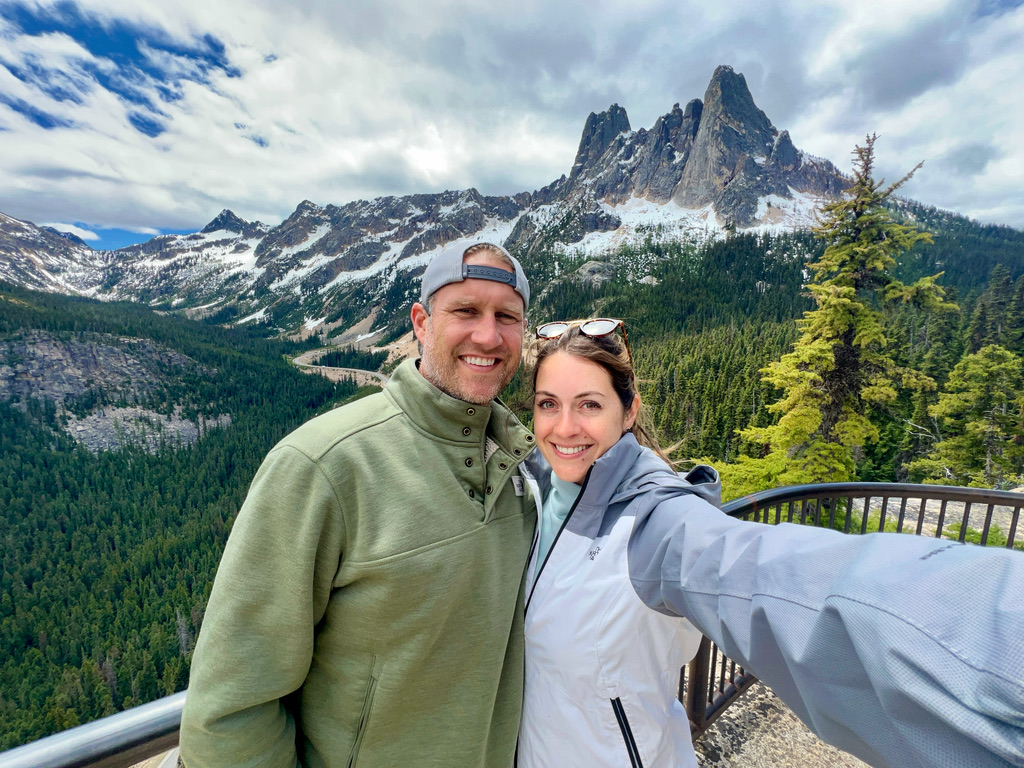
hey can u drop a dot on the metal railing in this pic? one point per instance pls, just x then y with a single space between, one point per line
117 741
711 681
709 684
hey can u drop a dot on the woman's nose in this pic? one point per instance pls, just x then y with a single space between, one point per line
567 423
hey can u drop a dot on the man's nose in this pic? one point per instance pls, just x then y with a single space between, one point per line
486 333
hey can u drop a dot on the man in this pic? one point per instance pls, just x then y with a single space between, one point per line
367 606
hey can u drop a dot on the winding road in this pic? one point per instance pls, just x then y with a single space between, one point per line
305 362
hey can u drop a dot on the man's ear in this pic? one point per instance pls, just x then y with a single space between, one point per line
419 321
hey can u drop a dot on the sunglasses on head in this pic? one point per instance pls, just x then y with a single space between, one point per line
595 329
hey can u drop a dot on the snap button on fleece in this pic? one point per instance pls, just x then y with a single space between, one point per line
490 488
503 465
529 438
469 462
472 495
471 411
466 431
517 452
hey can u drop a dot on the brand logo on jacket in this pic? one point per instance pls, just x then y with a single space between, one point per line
593 553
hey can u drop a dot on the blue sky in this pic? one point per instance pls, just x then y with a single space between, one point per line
123 119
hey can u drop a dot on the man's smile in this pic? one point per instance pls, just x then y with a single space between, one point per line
483 362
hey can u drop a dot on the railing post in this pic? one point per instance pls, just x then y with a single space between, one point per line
696 685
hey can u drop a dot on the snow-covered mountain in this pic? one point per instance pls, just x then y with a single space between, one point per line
44 259
715 165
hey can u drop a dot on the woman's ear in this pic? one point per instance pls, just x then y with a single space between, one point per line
634 409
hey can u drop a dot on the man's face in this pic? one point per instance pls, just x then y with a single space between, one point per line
473 340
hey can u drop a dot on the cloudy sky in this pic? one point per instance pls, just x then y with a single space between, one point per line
120 119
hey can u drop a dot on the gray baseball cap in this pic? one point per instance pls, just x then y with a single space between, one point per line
448 267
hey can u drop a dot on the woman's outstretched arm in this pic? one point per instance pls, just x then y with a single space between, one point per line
900 649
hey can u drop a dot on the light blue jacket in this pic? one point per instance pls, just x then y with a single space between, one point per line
902 650
599 687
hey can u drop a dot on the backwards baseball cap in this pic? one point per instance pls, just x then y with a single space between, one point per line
448 267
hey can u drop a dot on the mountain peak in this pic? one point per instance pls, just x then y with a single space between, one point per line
733 132
71 237
598 134
729 99
227 221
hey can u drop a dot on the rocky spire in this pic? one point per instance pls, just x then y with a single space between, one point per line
784 155
732 131
667 148
598 134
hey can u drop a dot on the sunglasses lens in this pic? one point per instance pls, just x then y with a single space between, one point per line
599 327
552 330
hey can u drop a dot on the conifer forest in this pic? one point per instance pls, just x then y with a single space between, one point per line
886 345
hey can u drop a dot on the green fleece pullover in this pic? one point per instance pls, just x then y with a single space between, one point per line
368 607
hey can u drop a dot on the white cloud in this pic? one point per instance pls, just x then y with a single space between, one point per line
85 234
335 102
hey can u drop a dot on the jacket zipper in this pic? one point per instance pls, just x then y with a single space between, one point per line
536 580
627 734
364 715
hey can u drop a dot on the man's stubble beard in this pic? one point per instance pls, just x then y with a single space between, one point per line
443 374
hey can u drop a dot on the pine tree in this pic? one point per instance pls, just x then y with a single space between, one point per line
991 315
980 416
840 368
1015 319
1000 288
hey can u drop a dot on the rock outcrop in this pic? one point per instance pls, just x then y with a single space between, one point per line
95 380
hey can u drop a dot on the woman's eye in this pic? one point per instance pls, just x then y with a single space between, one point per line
545 405
590 405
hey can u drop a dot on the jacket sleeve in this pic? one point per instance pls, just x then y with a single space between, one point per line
900 649
256 642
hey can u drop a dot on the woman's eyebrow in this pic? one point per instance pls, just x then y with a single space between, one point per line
577 396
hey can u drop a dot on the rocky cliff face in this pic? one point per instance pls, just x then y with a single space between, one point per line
718 163
72 372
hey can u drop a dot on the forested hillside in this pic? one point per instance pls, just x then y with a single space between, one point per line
107 558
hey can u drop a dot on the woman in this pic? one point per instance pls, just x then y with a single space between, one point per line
903 650
598 685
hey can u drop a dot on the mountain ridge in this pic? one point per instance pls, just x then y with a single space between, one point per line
699 172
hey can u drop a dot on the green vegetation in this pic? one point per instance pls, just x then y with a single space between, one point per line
349 357
107 559
981 420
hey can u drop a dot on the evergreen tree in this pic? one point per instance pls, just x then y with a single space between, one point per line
841 366
990 319
1015 319
980 418
1000 291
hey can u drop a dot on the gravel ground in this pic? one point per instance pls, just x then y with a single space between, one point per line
759 731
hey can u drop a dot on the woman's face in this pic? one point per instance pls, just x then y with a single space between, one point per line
576 414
